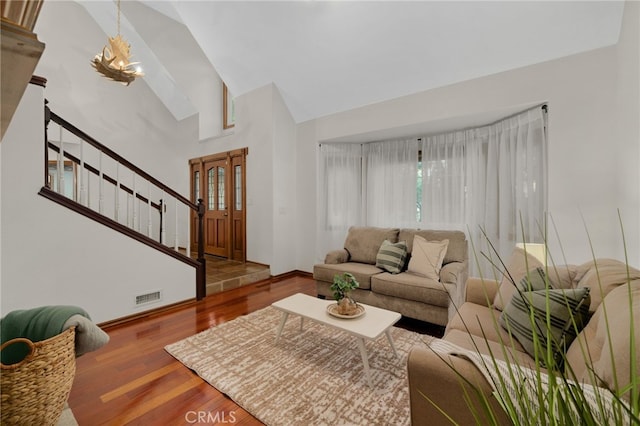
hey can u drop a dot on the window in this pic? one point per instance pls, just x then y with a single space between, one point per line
196 185
489 182
228 109
67 180
238 187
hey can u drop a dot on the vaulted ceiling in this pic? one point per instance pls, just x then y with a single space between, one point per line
327 57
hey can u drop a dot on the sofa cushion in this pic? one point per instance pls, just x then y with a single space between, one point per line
563 276
518 266
568 311
457 251
392 256
411 287
482 321
361 271
363 243
602 276
607 341
427 257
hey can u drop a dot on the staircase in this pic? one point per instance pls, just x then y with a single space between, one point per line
89 178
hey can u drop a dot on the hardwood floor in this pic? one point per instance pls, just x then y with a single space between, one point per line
133 381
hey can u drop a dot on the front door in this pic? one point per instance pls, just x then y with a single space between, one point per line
219 180
216 215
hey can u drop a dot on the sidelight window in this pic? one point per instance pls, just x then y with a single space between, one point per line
238 187
196 185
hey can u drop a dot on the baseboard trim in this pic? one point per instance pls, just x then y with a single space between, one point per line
146 314
291 274
115 323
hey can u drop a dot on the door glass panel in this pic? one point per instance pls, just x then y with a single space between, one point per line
210 187
221 203
196 186
238 187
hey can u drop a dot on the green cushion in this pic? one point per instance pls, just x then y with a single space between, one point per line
535 280
569 313
35 324
392 256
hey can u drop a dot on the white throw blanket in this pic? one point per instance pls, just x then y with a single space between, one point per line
510 379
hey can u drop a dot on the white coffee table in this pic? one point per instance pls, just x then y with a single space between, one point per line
371 325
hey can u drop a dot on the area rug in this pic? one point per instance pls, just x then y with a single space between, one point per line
309 377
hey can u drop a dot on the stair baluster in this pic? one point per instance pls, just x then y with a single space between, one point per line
135 194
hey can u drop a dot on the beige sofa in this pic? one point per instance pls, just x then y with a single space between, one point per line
430 377
408 293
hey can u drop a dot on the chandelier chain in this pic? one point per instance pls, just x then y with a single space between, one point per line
118 17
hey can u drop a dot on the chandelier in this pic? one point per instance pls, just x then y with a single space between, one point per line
113 61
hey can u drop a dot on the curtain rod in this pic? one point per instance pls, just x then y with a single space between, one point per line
544 107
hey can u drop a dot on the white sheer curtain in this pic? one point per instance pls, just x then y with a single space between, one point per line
339 194
391 194
515 180
443 181
490 180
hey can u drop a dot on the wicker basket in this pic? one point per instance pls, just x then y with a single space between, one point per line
35 390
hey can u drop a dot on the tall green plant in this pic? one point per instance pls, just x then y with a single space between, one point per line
553 395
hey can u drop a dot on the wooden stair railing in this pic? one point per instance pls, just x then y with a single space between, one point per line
132 184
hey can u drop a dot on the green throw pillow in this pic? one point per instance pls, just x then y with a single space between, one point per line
535 279
392 256
569 313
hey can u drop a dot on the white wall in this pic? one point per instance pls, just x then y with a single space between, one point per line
593 166
628 141
254 130
306 190
52 256
266 128
589 145
174 45
133 122
285 200
1 239
130 120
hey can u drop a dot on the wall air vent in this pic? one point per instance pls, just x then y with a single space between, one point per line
145 299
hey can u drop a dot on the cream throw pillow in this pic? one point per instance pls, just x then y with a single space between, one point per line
427 257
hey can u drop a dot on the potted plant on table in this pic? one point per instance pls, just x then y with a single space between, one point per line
343 285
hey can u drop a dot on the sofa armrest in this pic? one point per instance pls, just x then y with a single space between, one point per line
453 276
435 386
452 272
481 291
337 256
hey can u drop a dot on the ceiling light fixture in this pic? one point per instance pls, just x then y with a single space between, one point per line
113 62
